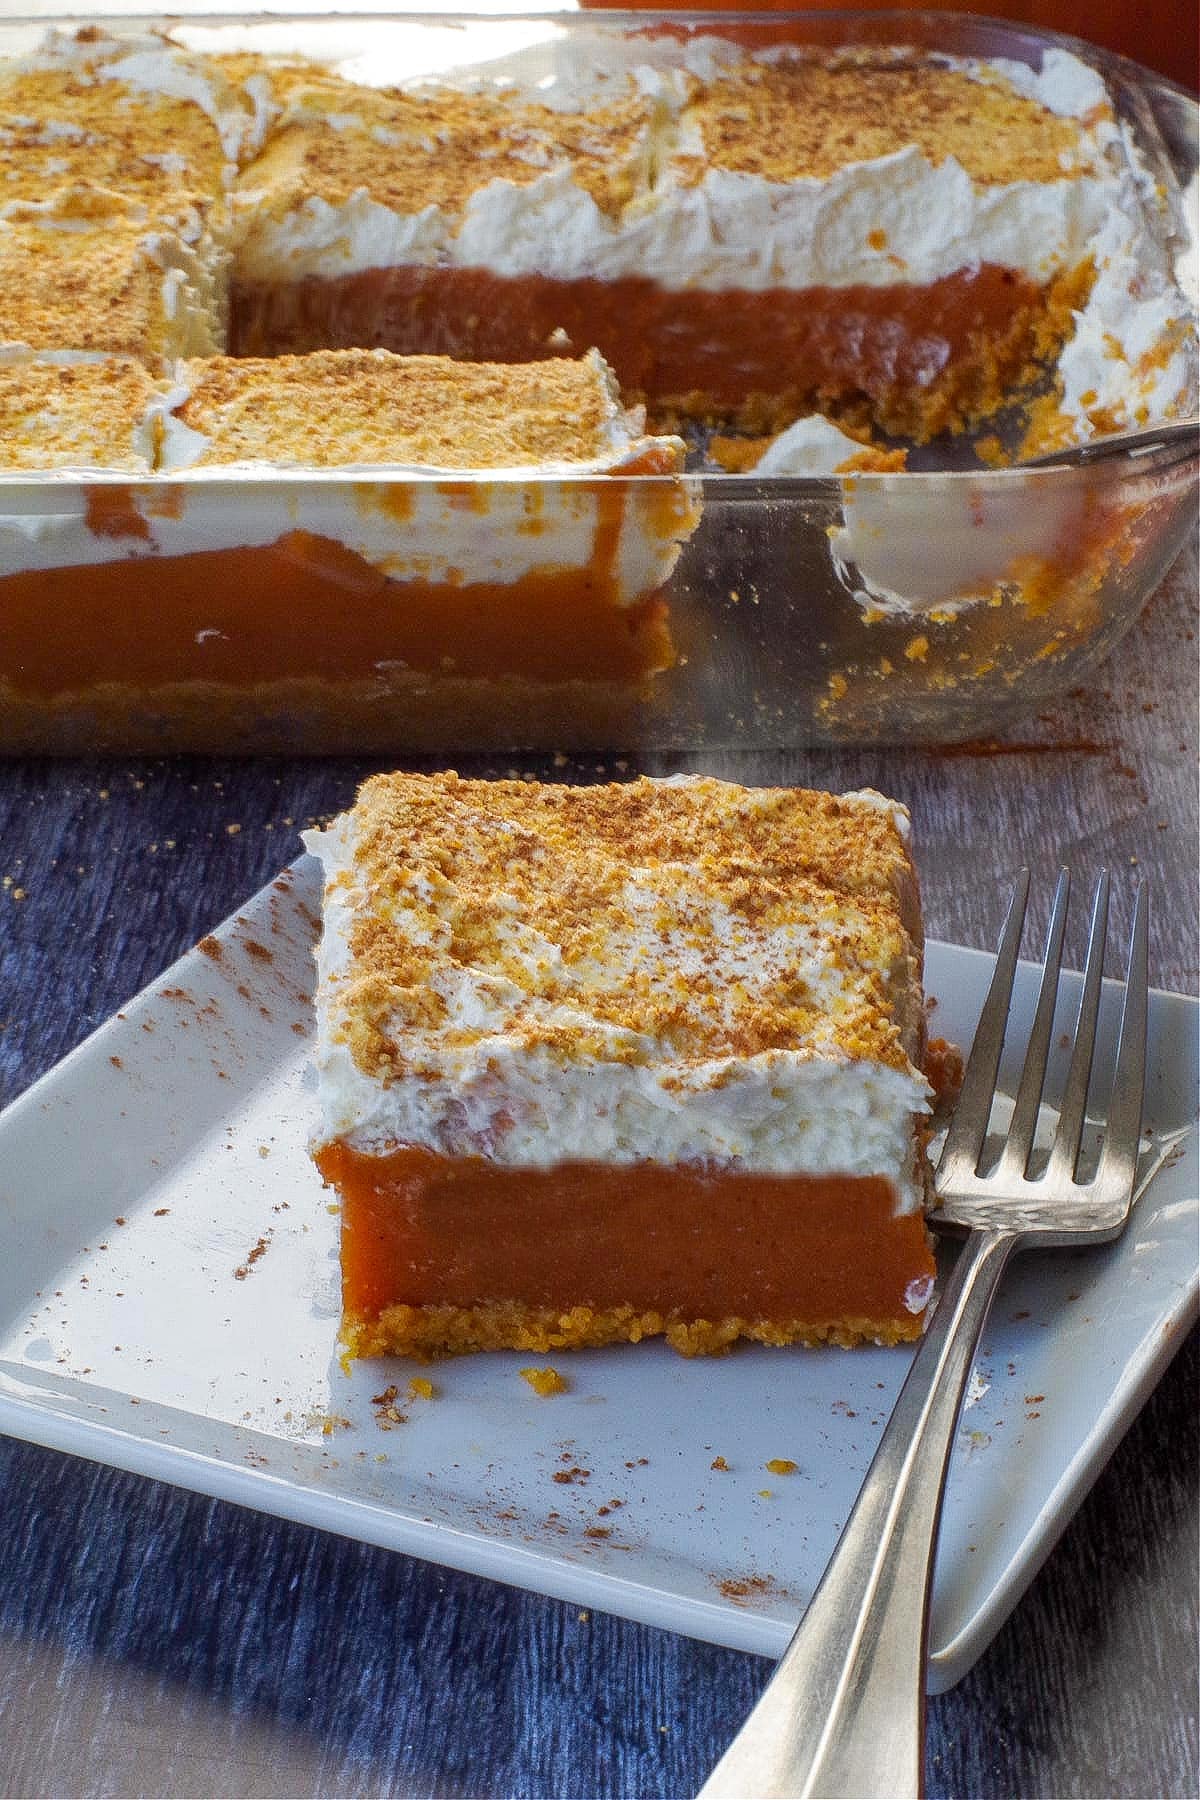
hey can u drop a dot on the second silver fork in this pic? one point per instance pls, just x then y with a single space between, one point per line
844 1714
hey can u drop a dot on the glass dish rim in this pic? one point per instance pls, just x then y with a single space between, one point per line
364 11
1164 460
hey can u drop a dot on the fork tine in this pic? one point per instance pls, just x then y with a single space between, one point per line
1023 1126
968 1128
1065 1153
1123 1130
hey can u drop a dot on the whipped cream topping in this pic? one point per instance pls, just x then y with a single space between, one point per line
480 1087
317 238
812 446
437 541
894 217
1132 358
891 218
937 543
732 229
253 510
1064 84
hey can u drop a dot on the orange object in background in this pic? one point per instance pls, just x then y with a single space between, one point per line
1163 36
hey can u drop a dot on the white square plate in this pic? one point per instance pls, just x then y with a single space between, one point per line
169 1302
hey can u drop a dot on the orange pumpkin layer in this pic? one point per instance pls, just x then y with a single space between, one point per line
919 357
456 1253
308 607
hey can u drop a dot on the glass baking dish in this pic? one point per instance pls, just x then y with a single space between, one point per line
922 606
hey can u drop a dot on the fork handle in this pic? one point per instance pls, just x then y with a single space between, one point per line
844 1713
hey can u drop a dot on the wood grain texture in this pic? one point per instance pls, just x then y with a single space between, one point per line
155 1642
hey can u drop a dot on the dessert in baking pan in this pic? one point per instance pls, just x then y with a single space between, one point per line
902 239
746 239
598 1064
810 261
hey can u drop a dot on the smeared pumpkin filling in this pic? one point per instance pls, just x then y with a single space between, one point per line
309 608
306 607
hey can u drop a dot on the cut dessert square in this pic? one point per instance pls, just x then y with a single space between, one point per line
409 600
69 410
90 270
529 577
376 216
369 408
601 1063
887 234
137 115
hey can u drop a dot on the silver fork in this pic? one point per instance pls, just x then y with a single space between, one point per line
844 1714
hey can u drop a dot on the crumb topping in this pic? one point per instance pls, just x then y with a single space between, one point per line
809 116
71 415
411 151
545 1382
269 82
332 407
87 271
63 124
695 921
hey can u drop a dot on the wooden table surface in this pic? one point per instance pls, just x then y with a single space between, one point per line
155 1642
